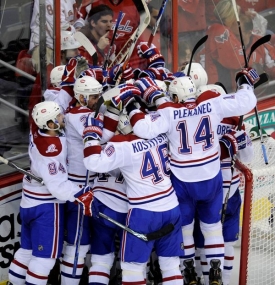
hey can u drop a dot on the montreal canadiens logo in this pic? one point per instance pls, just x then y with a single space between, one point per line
43 111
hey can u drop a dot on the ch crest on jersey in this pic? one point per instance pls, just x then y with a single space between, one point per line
223 37
51 148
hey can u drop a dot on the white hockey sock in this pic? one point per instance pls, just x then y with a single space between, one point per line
99 272
205 267
228 262
19 266
198 262
133 273
213 242
171 274
67 264
188 241
39 269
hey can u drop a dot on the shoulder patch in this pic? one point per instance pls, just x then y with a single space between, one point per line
48 146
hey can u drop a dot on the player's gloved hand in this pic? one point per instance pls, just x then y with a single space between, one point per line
68 77
116 70
152 54
149 90
247 76
126 91
82 64
240 137
85 198
230 143
94 128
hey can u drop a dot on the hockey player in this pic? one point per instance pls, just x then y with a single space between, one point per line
152 200
110 199
42 205
87 91
52 93
191 127
234 145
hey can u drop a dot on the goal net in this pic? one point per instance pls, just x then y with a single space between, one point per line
257 265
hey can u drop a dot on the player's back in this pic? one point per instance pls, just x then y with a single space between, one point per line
146 170
193 141
111 191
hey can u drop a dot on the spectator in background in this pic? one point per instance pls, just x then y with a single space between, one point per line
66 19
223 49
128 24
98 31
224 40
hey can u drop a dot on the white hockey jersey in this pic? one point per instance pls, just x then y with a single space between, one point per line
230 181
48 157
192 130
66 21
111 191
75 120
143 163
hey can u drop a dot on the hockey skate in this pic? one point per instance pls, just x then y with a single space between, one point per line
190 275
215 273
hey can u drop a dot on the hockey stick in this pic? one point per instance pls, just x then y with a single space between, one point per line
224 206
146 237
85 42
246 65
80 231
112 40
155 28
143 23
258 43
23 171
198 44
240 32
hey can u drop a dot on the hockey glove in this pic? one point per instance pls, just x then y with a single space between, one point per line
247 76
94 128
229 142
85 198
240 137
152 54
68 77
116 70
126 91
149 90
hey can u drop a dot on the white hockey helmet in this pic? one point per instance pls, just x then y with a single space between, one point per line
124 125
197 73
44 112
56 75
212 87
183 87
161 84
68 41
86 86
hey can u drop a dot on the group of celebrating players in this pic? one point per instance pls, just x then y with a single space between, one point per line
160 152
